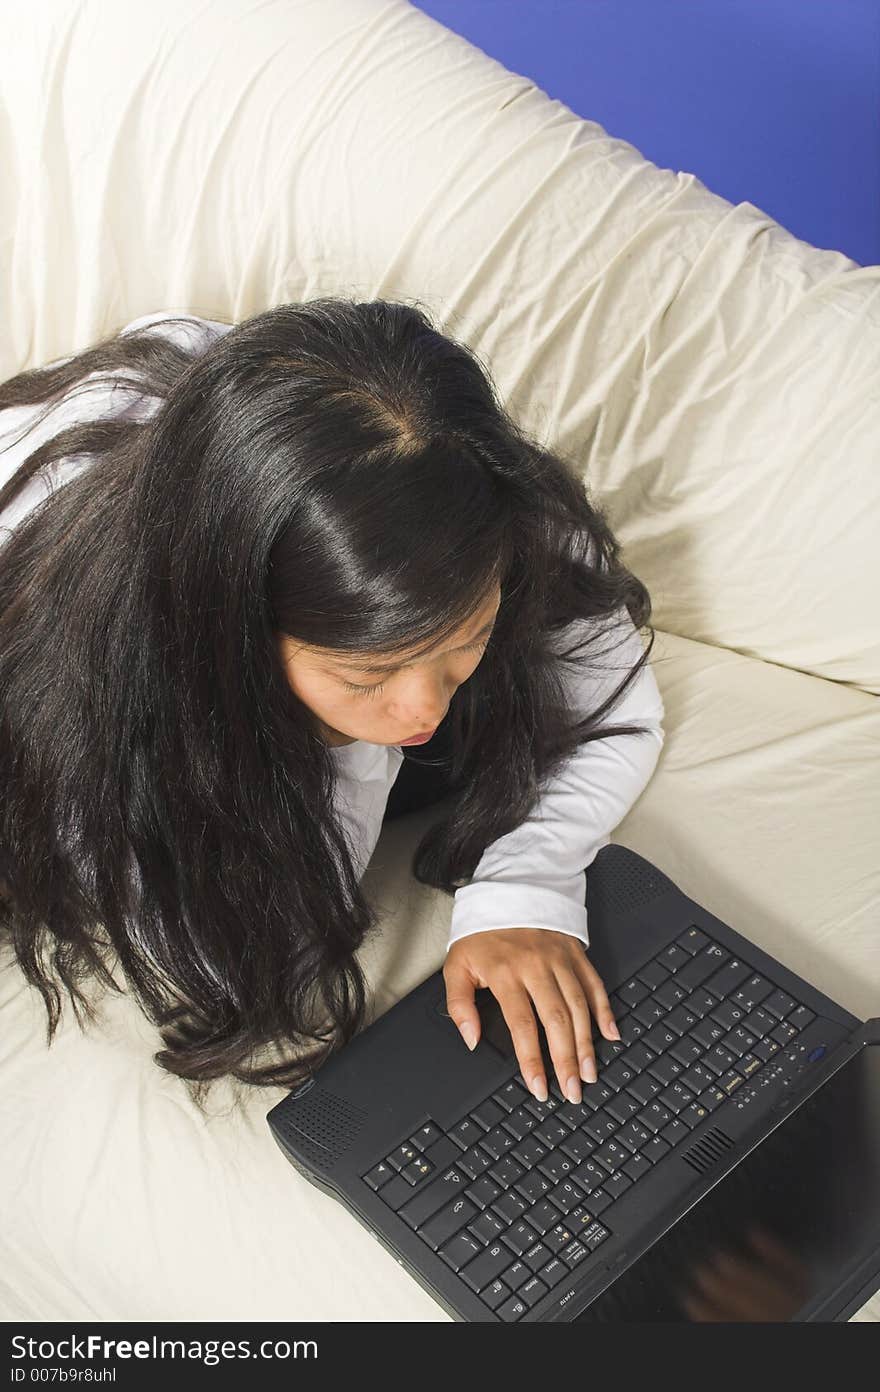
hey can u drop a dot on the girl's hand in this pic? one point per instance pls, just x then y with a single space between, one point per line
540 965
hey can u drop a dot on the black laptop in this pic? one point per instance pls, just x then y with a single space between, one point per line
725 1166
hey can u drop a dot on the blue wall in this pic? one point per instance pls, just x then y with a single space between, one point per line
774 102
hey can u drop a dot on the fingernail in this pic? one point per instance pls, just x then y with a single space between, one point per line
573 1090
539 1088
469 1036
588 1071
613 1031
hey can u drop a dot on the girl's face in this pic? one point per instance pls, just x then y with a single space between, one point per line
405 699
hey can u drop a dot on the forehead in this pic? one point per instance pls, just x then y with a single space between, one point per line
374 664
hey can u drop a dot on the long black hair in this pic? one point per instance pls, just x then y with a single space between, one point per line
337 471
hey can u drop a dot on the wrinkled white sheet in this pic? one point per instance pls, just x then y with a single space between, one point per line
713 378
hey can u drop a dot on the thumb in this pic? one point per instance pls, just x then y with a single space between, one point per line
461 1005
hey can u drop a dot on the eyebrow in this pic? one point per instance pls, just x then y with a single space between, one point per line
396 666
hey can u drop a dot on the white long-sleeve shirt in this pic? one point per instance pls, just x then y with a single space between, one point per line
535 875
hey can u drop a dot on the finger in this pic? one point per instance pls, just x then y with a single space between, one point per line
553 1009
600 1009
597 996
461 1006
573 988
516 1007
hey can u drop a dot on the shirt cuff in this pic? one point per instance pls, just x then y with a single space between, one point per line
484 905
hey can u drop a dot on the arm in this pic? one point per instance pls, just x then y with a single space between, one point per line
535 875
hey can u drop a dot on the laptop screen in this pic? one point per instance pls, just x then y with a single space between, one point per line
782 1229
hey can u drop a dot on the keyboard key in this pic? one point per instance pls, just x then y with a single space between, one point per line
759 1022
708 1032
612 1155
676 1130
659 1038
507 1171
590 1177
728 978
653 974
512 1309
532 1291
728 1014
578 1146
666 1069
655 1149
520 1122
648 1013
439 1229
618 1074
692 939
705 964
712 1098
379 1175
460 1250
519 1237
686 1051
599 1201
487 1228
533 1186
556 1166
622 1107
600 1126
676 1097
697 1078
779 1004
516 1274
494 1293
644 1088
529 1152
553 1272
636 1166
511 1096
783 1032
497 1142
701 1002
633 992
618 1182
426 1135
766 1048
574 1253
801 1017
566 1196
483 1191
694 1114
511 1206
749 1064
488 1114
473 1162
729 1082
633 1135
674 957
543 1217
719 1059
418 1171
671 993
739 1041
550 1133
403 1155
752 992
629 1029
655 1116
681 1019
466 1133
595 1235
558 1237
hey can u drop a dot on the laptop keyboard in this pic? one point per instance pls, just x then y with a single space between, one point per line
518 1193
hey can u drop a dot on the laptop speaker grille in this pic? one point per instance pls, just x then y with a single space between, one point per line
320 1125
708 1150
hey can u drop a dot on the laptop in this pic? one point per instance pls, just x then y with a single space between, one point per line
725 1165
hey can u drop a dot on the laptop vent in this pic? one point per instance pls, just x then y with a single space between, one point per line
320 1126
708 1150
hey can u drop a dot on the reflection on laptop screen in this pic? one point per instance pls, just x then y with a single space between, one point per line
783 1227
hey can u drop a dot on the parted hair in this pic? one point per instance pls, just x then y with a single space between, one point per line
341 472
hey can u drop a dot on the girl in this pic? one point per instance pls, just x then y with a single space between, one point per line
243 567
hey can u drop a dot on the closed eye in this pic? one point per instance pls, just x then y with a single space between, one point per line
380 686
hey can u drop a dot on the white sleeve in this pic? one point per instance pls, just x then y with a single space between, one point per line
534 876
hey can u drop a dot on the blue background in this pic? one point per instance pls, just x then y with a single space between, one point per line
773 102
